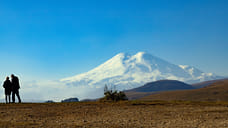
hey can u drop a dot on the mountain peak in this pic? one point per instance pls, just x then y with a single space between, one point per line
183 66
129 71
140 54
121 56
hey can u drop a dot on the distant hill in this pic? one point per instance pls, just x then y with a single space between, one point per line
49 101
217 91
70 100
88 100
162 85
152 87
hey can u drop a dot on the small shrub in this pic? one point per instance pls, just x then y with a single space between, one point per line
113 95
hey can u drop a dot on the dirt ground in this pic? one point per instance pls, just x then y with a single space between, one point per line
115 115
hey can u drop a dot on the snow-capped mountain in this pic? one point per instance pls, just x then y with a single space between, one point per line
129 71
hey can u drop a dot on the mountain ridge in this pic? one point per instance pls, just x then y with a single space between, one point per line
127 71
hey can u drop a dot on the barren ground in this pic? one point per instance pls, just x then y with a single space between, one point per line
116 115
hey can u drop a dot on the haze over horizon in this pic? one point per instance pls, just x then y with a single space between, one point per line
50 40
124 71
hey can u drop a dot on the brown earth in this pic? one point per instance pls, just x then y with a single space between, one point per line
131 114
206 83
217 91
137 95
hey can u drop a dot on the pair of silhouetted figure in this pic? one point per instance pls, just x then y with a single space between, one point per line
12 86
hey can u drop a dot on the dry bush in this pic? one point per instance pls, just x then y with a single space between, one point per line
113 95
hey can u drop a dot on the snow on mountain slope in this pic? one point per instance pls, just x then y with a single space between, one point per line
130 71
197 75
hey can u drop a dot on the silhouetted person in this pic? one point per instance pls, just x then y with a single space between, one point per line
8 88
15 88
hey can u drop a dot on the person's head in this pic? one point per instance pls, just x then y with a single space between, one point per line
7 78
12 75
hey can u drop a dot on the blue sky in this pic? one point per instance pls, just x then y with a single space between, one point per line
53 39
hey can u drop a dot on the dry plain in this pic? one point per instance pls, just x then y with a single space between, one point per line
130 114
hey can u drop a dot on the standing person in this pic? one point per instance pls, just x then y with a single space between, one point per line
8 88
15 88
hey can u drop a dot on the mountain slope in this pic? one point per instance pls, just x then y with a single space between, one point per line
126 72
206 83
217 91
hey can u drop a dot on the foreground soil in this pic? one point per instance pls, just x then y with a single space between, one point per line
135 114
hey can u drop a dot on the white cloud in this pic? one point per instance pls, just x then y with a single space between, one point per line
56 90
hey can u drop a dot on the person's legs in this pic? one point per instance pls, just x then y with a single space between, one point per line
6 98
13 96
9 97
18 96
